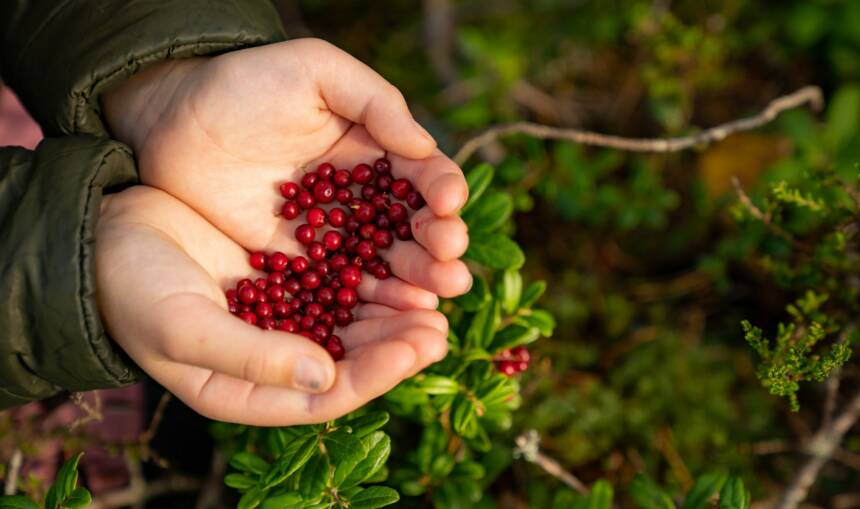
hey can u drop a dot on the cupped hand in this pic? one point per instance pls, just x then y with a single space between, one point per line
222 133
160 271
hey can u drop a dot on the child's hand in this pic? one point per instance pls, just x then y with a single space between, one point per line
160 272
220 134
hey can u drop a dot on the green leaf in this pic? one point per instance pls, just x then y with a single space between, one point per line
509 289
314 476
379 448
79 497
296 454
600 496
648 495
539 318
240 482
478 179
282 501
513 335
17 502
842 115
532 294
251 499
442 466
64 484
250 463
489 213
346 451
367 423
438 384
495 251
704 488
464 416
733 495
483 327
470 469
476 297
373 497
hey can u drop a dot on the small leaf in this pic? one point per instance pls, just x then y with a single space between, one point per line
250 463
373 497
600 496
513 335
539 318
282 501
648 495
470 469
734 495
379 448
532 294
509 290
367 423
17 502
296 454
495 251
478 179
314 476
464 416
346 451
704 488
251 499
476 297
489 213
437 384
79 497
442 466
240 482
483 327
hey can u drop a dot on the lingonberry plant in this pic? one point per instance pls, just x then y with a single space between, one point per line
459 410
64 493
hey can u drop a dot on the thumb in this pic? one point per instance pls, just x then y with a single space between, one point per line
356 92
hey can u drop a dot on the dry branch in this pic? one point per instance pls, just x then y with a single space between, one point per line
528 447
810 95
12 472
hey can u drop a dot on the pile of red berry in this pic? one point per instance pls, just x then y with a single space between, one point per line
310 295
512 360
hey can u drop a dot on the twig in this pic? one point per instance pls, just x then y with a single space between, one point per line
528 447
832 384
821 448
91 412
173 484
766 219
210 494
12 472
147 436
811 95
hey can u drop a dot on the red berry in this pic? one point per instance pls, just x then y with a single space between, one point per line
351 243
244 282
365 212
324 192
307 323
382 239
248 317
230 294
299 264
325 296
316 251
305 200
368 191
267 323
316 217
521 366
383 182
291 210
278 261
507 368
289 190
325 171
366 250
397 213
382 166
335 348
366 231
347 297
309 179
327 319
276 293
322 267
414 200
261 283
288 326
337 217
342 316
233 307
403 231
311 280
305 234
338 262
247 294
314 309
380 201
350 276
281 309
276 278
342 178
320 331
332 240
381 271
382 222
258 260
400 188
343 196
362 174
352 225
521 353
262 297
263 310
292 286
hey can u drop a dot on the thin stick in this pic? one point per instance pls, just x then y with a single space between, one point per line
147 436
528 447
810 95
173 484
91 412
14 469
822 447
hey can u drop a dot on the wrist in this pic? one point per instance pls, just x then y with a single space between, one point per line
133 108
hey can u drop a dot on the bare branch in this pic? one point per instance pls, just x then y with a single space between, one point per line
528 447
146 437
12 472
821 448
757 213
810 95
92 413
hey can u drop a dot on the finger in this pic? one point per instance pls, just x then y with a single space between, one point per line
439 180
370 311
194 330
413 263
371 330
396 293
445 238
355 91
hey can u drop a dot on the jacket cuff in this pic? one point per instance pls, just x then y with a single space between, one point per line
60 60
54 338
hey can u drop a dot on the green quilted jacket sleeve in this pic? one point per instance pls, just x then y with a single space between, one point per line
59 56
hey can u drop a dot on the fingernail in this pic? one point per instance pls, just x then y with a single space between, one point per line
310 374
423 132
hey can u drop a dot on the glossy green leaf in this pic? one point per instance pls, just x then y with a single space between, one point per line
601 495
495 251
539 318
283 501
509 290
346 451
647 495
514 335
478 179
378 449
251 499
314 476
489 213
17 502
532 294
705 487
483 327
734 495
373 497
476 297
250 463
238 481
296 454
367 423
437 384
442 466
464 416
470 469
78 498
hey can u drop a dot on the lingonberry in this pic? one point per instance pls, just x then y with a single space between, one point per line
307 322
324 192
316 251
248 317
281 309
352 225
289 190
244 282
325 296
316 217
347 297
305 200
337 217
342 178
350 276
322 267
263 310
261 283
343 196
278 261
366 250
288 325
381 271
291 210
342 316
362 173
262 297
382 239
306 296
368 191
383 182
314 309
507 368
366 231
351 243
311 280
233 307
276 293
332 240
320 331
305 234
397 213
299 264
230 294
358 261
338 262
414 200
327 319
365 212
267 324
247 294
309 179
381 202
292 286
401 188
403 231
258 260
325 171
334 347
276 278
382 166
